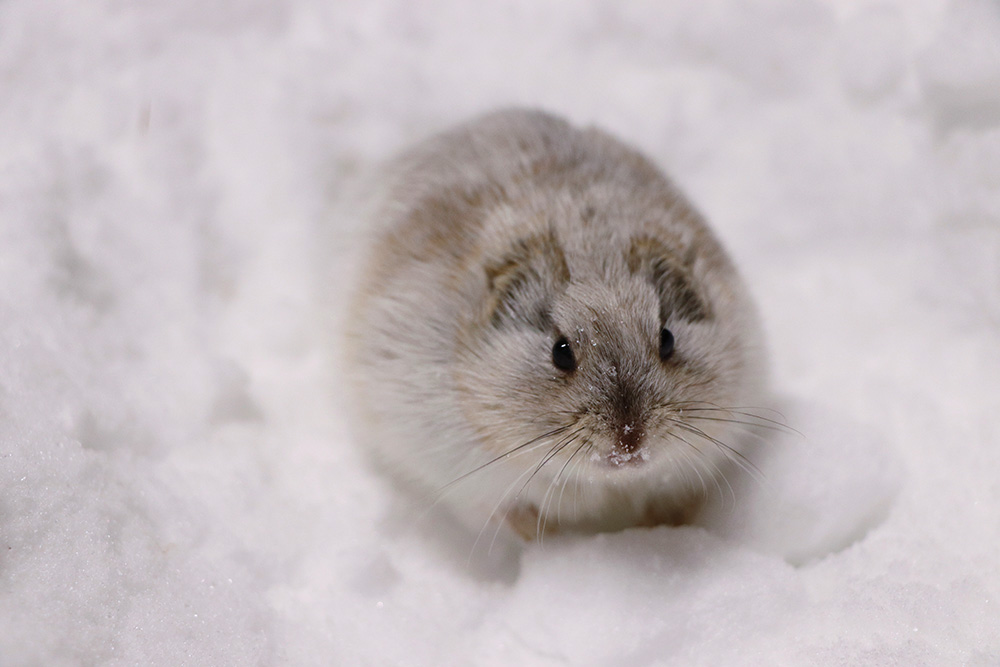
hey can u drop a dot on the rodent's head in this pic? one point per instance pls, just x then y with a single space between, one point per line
608 370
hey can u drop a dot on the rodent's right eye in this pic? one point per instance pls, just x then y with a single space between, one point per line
666 344
562 355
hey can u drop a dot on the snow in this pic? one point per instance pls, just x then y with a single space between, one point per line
179 194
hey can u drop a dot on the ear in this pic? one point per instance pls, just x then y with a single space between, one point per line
523 282
670 271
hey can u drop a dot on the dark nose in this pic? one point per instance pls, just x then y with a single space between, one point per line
630 437
627 417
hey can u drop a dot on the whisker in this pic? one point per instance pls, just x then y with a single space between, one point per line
718 472
693 466
531 471
508 454
576 487
728 449
496 507
568 477
742 422
704 406
539 528
555 481
731 453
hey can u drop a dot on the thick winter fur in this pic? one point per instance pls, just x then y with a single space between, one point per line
496 240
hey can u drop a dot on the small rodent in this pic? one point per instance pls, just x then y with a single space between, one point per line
547 334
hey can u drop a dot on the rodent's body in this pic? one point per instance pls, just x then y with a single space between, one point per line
547 333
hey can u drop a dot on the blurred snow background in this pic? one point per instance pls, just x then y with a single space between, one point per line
179 184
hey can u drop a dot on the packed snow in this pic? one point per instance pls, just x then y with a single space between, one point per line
181 190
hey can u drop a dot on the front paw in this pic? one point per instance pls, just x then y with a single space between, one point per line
525 520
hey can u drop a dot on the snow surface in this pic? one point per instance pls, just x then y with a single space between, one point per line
179 183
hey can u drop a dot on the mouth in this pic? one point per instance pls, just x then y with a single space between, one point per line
618 458
628 447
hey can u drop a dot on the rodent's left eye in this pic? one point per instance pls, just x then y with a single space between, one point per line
666 344
562 355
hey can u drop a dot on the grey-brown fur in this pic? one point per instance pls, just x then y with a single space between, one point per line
496 239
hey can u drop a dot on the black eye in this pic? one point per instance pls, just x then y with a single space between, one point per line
562 355
666 344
